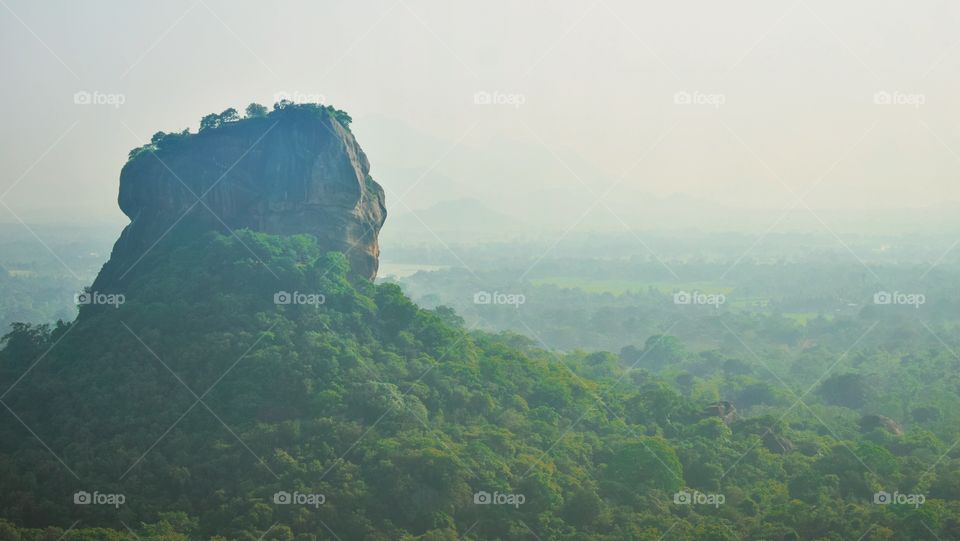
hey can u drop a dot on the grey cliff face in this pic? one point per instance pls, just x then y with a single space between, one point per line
290 173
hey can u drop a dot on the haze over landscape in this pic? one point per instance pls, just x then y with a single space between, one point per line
595 85
430 271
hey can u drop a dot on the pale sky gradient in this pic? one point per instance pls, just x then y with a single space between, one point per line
597 79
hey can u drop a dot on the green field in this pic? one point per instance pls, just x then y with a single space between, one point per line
618 287
804 317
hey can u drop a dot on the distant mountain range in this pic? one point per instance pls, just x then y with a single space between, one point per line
473 219
515 188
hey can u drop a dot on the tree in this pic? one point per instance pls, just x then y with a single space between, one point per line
661 350
229 115
649 463
25 341
255 110
848 390
584 507
342 117
210 121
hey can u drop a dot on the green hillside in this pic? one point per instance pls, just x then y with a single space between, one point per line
206 405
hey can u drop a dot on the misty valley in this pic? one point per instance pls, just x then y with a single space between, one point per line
720 378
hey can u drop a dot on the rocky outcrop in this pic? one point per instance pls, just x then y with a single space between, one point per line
777 443
771 431
296 170
723 409
872 422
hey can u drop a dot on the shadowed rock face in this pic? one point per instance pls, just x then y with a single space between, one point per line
293 172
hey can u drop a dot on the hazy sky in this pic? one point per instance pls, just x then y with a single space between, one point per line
742 103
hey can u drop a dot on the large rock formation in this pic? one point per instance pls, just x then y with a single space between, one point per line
297 170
